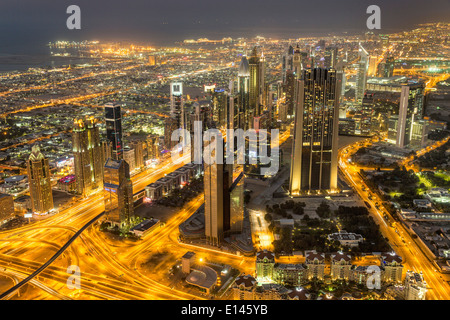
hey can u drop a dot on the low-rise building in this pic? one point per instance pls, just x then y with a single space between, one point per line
340 266
415 286
315 263
346 239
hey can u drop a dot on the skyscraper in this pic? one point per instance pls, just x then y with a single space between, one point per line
287 62
39 182
297 62
216 180
118 192
410 110
113 117
219 101
88 155
388 70
177 103
256 82
361 73
243 93
314 156
330 56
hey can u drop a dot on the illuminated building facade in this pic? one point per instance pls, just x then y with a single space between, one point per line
87 151
118 192
314 156
113 117
361 73
39 182
410 110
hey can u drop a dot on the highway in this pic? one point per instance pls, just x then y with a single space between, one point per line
402 242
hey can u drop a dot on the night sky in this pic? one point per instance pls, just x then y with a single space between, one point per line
32 23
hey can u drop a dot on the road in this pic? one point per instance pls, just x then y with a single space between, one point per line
402 242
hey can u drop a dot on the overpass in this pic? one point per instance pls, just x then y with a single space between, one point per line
53 258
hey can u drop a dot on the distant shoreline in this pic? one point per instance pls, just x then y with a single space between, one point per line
20 62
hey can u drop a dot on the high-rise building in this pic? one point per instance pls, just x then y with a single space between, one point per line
330 56
106 146
88 156
130 157
361 73
170 125
113 117
177 103
367 109
6 207
388 70
217 182
118 192
138 147
314 156
256 88
243 93
219 102
289 90
287 62
297 62
39 182
410 109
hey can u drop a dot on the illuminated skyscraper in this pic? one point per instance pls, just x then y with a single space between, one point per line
177 103
219 101
224 207
243 93
289 89
113 117
388 70
216 180
410 110
88 155
361 73
314 156
256 92
330 57
297 63
287 62
118 192
39 182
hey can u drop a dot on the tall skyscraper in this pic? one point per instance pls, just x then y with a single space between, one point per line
410 109
289 90
287 62
361 73
88 155
297 62
314 156
224 207
216 181
177 103
118 192
388 70
256 77
243 83
39 182
219 101
113 117
330 56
